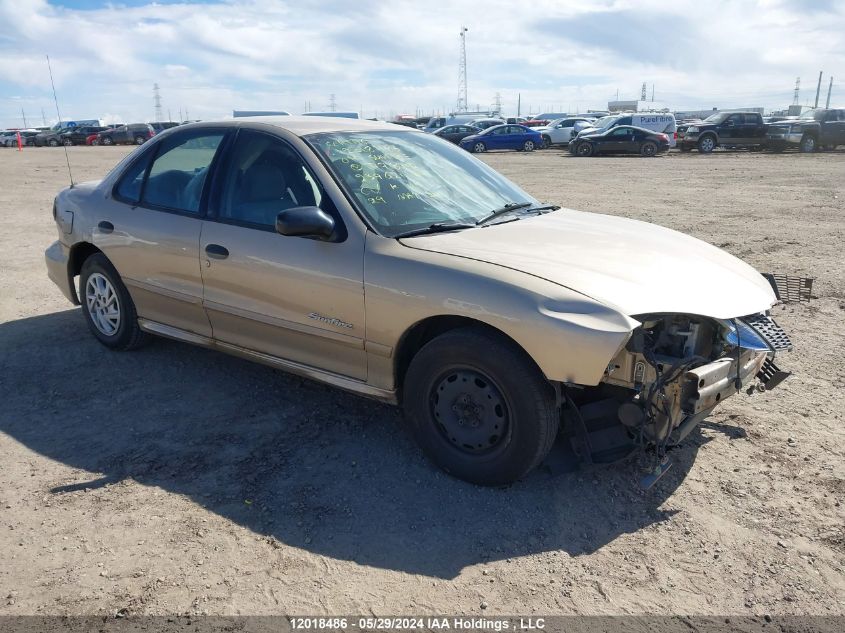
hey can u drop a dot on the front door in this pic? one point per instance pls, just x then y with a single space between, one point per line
150 229
293 298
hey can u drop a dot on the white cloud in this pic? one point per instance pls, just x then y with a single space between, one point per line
398 57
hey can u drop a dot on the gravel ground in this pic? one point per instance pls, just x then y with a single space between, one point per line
178 480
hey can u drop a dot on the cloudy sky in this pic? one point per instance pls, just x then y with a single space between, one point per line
387 57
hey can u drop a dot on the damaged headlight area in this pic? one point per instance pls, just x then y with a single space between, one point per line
673 371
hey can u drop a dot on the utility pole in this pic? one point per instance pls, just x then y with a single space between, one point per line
169 118
462 73
332 103
23 114
795 100
498 103
818 89
157 101
642 94
829 89
519 104
43 117
652 93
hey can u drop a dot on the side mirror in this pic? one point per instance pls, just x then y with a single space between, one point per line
305 222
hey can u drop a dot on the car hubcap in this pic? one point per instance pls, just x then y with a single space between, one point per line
479 147
529 146
809 144
469 410
103 305
584 149
707 144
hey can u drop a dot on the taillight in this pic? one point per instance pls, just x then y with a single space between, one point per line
675 136
150 134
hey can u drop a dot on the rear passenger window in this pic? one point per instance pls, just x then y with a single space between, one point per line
179 170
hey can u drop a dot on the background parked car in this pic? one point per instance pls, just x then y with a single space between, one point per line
50 137
560 132
516 137
483 124
661 122
9 138
729 129
621 139
79 135
161 126
137 133
456 133
814 129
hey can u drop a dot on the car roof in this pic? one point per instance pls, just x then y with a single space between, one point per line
303 125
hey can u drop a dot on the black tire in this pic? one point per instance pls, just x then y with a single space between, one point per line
528 146
484 368
547 142
584 149
128 335
53 142
648 149
107 140
808 144
67 142
139 140
706 144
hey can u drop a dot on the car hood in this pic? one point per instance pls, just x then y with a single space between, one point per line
632 266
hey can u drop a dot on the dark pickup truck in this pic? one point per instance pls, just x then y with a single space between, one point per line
818 128
724 129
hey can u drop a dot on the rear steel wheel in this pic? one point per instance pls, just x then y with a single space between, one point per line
528 146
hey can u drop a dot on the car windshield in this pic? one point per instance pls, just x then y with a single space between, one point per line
717 118
404 181
605 122
812 115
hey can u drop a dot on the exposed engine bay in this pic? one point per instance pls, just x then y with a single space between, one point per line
672 372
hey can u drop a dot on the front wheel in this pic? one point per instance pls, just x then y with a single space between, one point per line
139 140
479 407
479 148
584 149
528 146
706 144
547 142
53 142
107 140
107 306
808 144
67 142
648 149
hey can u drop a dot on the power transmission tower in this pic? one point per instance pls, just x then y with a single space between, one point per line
643 93
157 100
498 103
462 73
797 91
332 103
829 89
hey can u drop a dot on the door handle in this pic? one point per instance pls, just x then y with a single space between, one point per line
215 251
105 227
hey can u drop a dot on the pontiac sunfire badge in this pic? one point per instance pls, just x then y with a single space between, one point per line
330 321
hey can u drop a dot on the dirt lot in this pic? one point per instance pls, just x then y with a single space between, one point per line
174 480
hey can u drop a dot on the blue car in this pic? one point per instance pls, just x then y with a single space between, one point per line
516 137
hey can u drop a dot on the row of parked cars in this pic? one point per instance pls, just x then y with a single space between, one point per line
647 134
651 133
63 134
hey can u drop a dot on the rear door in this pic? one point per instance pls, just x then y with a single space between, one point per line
149 228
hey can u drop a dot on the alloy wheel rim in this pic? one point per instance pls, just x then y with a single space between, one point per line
707 144
470 411
103 304
648 150
479 147
529 146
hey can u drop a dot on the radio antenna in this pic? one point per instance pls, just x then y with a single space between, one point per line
59 114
